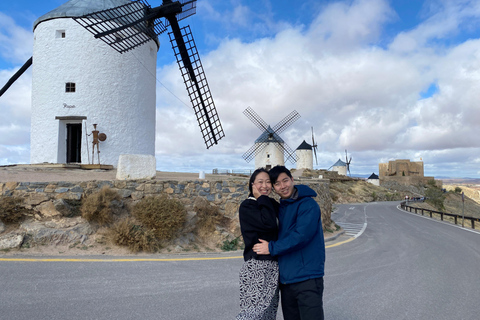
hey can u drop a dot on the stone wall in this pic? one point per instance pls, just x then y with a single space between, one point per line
385 181
49 201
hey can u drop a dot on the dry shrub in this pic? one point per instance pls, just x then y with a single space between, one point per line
162 215
127 232
11 210
99 207
208 218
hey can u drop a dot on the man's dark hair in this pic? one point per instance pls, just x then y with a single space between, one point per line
252 179
276 171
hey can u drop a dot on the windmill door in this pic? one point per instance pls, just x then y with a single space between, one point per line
74 142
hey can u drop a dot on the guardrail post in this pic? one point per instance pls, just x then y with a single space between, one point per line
455 219
431 214
473 223
441 216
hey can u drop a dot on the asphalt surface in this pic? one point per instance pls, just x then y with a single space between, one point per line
389 265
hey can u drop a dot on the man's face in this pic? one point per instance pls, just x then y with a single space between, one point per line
284 186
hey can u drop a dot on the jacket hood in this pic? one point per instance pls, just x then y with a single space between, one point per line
302 192
305 191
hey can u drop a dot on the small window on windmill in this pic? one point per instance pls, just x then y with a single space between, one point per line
70 87
61 34
268 156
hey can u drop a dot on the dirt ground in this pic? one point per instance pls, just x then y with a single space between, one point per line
52 173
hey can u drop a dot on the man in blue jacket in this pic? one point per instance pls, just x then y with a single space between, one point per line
300 248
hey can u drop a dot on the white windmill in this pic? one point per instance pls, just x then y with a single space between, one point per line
305 154
342 167
269 149
108 79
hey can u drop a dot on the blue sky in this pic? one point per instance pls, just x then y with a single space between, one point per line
384 79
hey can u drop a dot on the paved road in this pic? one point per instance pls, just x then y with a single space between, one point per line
396 266
402 267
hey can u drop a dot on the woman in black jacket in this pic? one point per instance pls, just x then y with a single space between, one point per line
259 273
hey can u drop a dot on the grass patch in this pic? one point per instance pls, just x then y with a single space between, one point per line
129 233
208 218
99 207
11 210
230 245
163 216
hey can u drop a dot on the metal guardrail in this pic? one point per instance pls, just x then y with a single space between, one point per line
408 208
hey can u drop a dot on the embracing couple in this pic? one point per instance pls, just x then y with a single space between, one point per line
288 255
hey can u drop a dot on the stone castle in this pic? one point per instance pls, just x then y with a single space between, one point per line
404 172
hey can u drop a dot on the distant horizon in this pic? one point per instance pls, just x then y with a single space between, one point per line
245 170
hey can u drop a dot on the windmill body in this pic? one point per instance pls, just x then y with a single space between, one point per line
305 156
340 167
269 155
269 149
78 81
374 179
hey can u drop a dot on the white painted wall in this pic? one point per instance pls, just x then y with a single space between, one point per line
342 170
269 156
305 159
115 91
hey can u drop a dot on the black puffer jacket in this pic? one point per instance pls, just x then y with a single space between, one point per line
258 220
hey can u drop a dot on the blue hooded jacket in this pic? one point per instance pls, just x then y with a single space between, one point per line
300 246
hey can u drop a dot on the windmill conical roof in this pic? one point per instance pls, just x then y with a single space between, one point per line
269 136
339 163
304 146
373 176
78 8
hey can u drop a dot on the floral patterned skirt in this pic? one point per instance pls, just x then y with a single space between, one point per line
258 290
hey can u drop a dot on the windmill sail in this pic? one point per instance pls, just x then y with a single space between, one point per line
270 135
197 86
124 27
131 25
314 147
16 76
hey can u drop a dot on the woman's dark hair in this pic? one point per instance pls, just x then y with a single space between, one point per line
252 179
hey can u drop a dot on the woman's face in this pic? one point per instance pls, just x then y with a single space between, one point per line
263 184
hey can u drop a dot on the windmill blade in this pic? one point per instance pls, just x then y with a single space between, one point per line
313 139
189 8
261 144
290 154
314 147
255 118
286 150
253 151
17 75
286 122
196 83
124 27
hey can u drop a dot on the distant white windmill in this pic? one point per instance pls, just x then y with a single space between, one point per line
269 149
342 167
305 154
